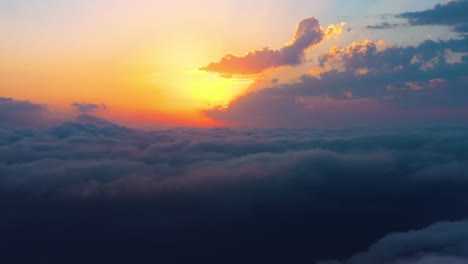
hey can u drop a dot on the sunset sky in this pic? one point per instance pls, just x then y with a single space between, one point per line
234 131
147 60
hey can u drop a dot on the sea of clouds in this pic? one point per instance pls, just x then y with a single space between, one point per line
93 188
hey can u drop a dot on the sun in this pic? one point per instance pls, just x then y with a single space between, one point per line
199 90
183 87
212 90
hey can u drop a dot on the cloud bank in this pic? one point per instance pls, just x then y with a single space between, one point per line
94 188
308 33
365 83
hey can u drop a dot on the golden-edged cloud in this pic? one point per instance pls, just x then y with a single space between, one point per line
352 55
308 33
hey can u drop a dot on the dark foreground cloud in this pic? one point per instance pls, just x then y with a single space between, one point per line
308 33
95 192
441 243
453 13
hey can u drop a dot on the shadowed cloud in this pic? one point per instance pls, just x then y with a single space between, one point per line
441 243
24 114
272 194
453 13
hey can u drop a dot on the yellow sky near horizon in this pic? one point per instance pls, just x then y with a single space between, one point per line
146 65
143 57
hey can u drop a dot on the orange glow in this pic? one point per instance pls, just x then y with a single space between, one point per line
137 63
153 119
199 90
334 30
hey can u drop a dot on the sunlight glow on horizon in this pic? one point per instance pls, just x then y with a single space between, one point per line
213 90
144 57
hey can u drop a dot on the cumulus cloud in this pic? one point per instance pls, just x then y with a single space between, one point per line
308 33
453 13
353 56
364 83
367 82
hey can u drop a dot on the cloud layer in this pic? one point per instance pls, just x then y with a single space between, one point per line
93 188
308 33
91 191
24 114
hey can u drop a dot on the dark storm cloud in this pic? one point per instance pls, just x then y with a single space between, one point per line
93 188
84 108
385 25
365 83
308 33
451 14
445 242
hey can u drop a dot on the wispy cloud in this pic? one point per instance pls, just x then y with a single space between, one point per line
385 25
85 108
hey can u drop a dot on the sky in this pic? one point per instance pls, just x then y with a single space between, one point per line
234 131
147 61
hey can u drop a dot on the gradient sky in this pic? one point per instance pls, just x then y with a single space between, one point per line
142 59
234 131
